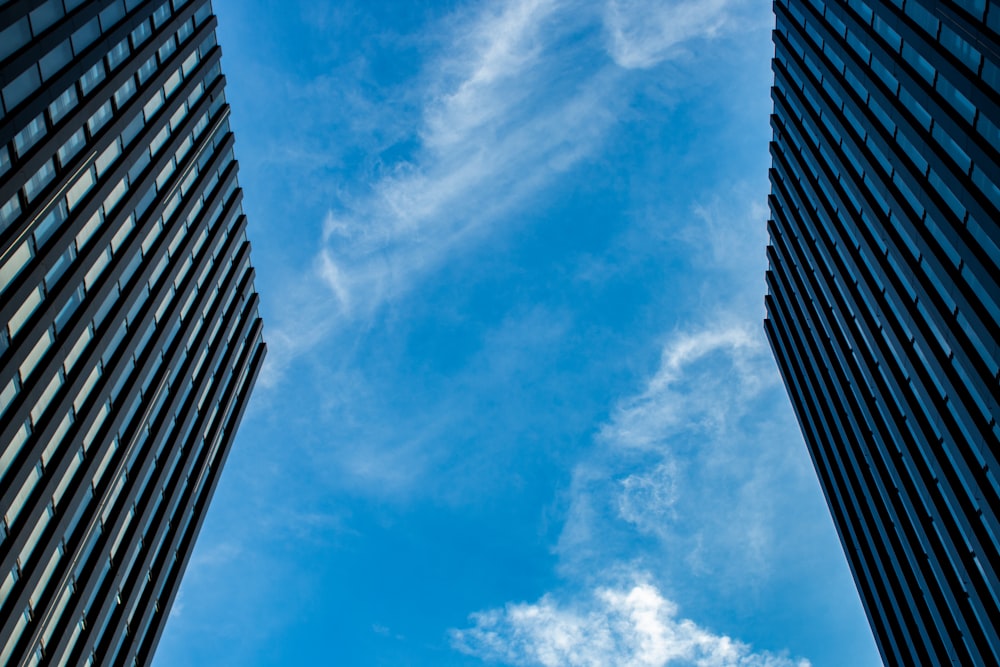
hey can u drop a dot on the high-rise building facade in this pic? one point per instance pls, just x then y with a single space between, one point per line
884 302
129 328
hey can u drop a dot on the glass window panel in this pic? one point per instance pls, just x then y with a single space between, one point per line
88 386
4 160
991 72
14 36
108 157
133 265
115 196
112 15
85 36
9 212
960 48
152 106
190 63
185 31
207 46
21 87
122 234
131 131
141 33
956 99
97 269
96 220
41 178
77 350
125 93
80 188
29 136
165 174
92 78
46 398
72 146
196 94
168 48
161 14
8 394
202 14
59 267
106 306
923 18
55 59
987 186
172 83
147 70
15 264
100 118
49 224
145 201
45 15
35 355
62 105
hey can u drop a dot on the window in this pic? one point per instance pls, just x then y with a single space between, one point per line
92 78
55 59
38 351
100 118
167 49
85 36
39 180
80 188
72 146
83 236
9 212
118 54
14 37
52 221
147 70
59 268
21 87
108 157
152 106
141 34
62 105
112 15
125 93
161 14
46 398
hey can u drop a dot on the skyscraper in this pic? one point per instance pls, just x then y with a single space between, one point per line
129 332
884 302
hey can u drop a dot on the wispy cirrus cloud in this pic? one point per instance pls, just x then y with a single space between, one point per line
689 460
643 33
520 92
487 141
630 625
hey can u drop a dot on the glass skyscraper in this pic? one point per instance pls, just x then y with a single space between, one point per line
129 332
884 302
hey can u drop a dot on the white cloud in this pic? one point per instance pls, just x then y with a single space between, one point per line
699 460
505 110
520 92
648 498
626 626
489 138
667 403
643 33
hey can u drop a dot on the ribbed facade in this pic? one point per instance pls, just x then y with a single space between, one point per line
129 331
884 302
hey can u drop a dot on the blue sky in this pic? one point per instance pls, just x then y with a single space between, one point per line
518 407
